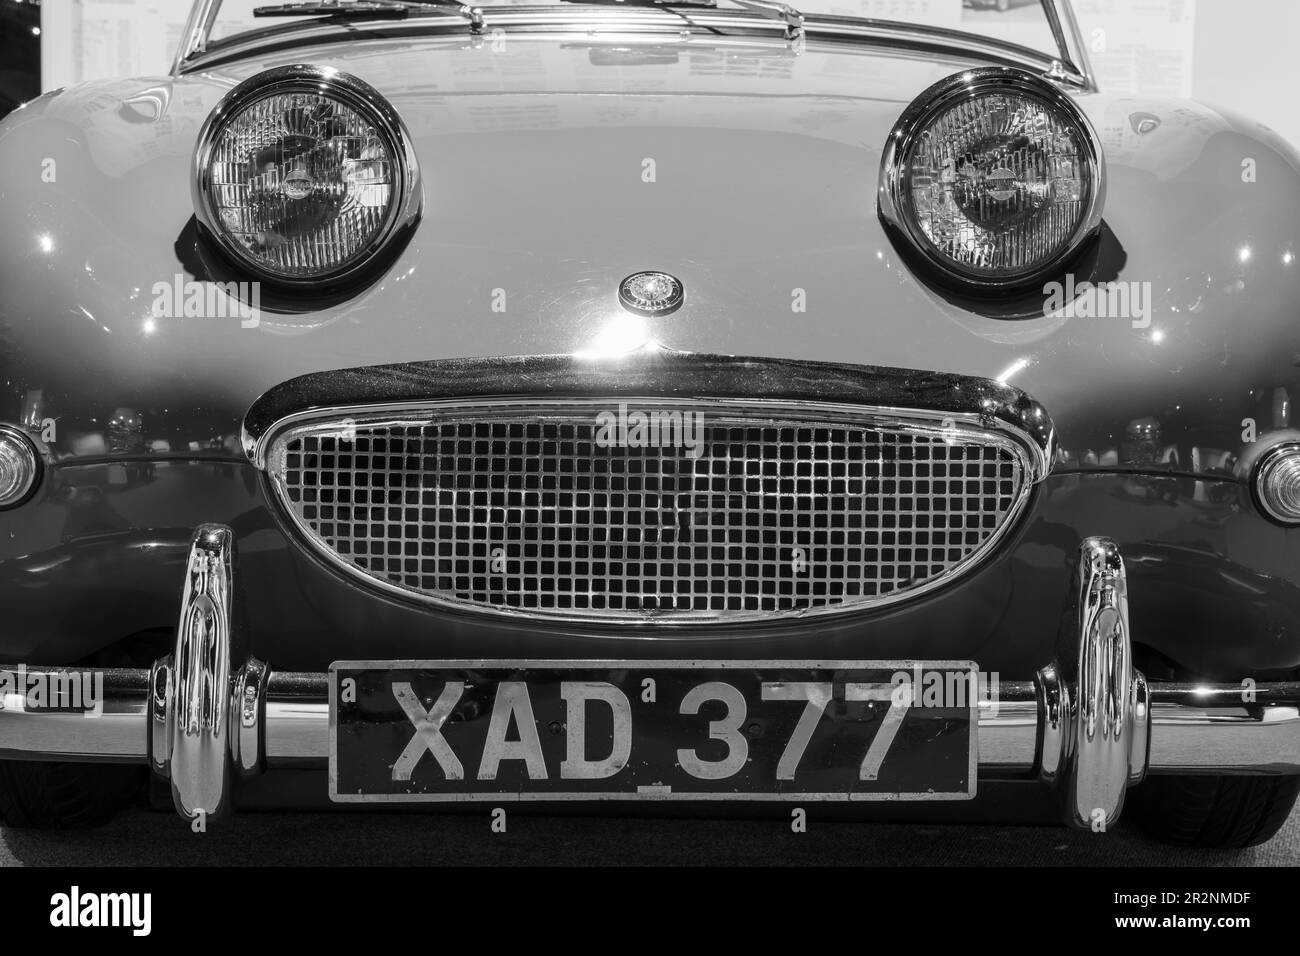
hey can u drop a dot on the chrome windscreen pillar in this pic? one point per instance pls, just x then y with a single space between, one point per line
1094 706
197 714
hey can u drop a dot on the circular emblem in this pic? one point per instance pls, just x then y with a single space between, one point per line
1001 183
297 185
650 293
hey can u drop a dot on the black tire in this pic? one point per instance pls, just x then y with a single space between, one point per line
1219 812
64 796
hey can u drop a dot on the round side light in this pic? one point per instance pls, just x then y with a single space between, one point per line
20 466
1277 483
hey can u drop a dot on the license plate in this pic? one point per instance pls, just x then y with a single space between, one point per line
430 731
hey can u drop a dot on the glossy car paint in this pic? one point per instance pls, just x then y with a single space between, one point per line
533 160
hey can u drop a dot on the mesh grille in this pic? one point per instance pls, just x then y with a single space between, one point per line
727 516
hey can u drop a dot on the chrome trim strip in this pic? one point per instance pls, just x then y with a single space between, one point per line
357 95
1034 457
297 733
118 734
968 84
661 373
1008 729
1246 738
199 704
656 663
1195 728
569 19
297 719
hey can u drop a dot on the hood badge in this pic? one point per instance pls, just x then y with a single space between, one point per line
651 293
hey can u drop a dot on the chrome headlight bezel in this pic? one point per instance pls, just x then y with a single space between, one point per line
356 95
33 463
895 201
1283 454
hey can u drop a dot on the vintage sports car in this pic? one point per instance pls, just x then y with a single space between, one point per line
671 403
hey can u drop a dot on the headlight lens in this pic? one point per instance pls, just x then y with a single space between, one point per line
1277 483
303 174
994 175
19 466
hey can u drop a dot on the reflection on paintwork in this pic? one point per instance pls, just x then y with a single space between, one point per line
1019 365
616 337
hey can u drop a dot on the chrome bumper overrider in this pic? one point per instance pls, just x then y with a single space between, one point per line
1089 724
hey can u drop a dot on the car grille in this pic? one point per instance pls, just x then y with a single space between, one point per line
582 509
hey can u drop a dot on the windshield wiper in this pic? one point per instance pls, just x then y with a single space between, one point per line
710 4
395 9
772 9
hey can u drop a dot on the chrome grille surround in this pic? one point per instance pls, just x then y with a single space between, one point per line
582 533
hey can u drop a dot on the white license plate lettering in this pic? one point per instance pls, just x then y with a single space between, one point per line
512 706
727 729
577 696
900 699
816 696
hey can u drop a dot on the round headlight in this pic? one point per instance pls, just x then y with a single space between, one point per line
1277 483
19 466
302 174
994 176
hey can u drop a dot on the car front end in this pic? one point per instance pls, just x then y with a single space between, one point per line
570 404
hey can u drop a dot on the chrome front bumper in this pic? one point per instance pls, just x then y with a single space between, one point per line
1089 725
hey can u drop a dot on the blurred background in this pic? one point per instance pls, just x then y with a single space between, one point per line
1238 54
